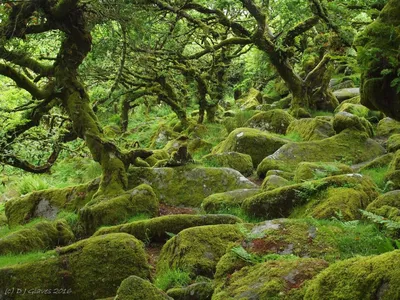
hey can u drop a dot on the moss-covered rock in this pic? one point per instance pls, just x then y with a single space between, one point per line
349 146
188 186
387 206
275 120
89 269
160 229
234 160
39 237
374 277
136 288
250 100
311 129
312 196
287 175
393 143
379 162
344 120
387 127
141 199
196 291
345 94
272 182
277 279
256 143
354 109
198 249
228 200
316 170
378 56
47 203
329 240
393 171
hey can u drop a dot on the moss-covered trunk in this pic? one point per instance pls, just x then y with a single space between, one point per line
75 101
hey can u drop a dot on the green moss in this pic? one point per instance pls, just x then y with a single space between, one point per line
316 170
387 127
272 182
347 146
83 268
275 120
387 206
311 129
188 186
224 201
375 277
256 143
136 288
354 109
159 229
171 279
237 161
393 143
42 236
250 100
48 203
280 279
344 120
198 249
309 196
196 291
117 210
157 156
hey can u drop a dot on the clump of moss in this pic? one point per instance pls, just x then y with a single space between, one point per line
375 277
272 182
41 236
256 143
344 120
136 288
387 206
275 120
237 161
311 129
387 127
197 250
116 210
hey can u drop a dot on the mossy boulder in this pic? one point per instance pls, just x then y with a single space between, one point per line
347 93
272 182
160 229
373 277
276 279
348 146
316 170
250 100
387 127
254 142
47 203
234 160
188 186
287 175
311 129
312 196
141 199
393 143
196 291
393 171
197 250
90 269
39 237
275 120
387 206
227 201
136 288
344 120
328 240
382 161
354 109
378 56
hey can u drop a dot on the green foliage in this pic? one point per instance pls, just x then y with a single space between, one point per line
138 217
30 183
172 278
5 230
252 258
238 212
377 175
391 227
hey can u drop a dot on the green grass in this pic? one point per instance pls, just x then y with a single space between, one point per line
5 230
13 259
30 183
293 136
377 175
172 278
238 212
138 217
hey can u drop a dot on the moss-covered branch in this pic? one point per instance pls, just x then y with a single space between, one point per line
300 29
